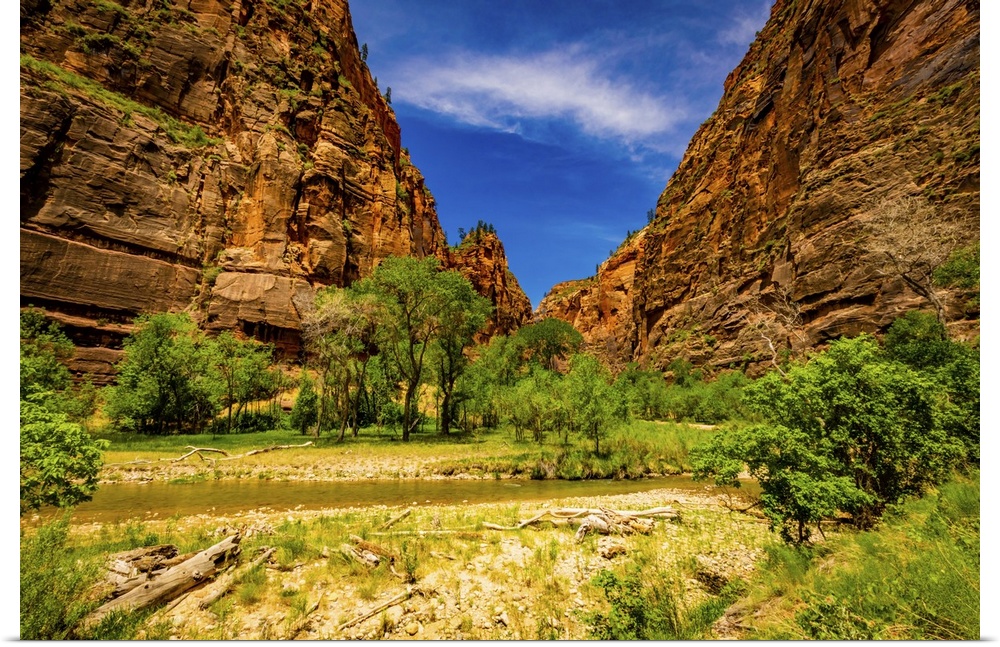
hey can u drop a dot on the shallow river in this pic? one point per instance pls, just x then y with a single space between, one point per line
123 501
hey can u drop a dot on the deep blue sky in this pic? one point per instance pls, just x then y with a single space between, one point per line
559 122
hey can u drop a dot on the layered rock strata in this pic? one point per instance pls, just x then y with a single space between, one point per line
222 157
760 235
481 259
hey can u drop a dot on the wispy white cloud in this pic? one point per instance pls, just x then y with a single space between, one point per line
508 92
745 25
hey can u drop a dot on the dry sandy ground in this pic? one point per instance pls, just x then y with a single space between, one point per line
479 584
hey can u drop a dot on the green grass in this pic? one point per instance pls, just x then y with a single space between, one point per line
179 132
637 449
915 578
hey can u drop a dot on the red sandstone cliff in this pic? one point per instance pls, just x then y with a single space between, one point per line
836 104
481 259
214 156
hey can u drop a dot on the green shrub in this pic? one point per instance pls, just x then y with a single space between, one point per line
53 583
851 430
645 604
59 460
637 612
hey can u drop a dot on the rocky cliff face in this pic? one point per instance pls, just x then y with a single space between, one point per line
760 234
600 307
481 259
215 156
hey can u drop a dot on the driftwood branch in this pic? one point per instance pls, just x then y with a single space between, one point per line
222 585
172 582
399 517
264 450
561 516
405 595
200 450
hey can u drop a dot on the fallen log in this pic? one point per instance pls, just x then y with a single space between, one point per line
374 548
140 577
399 517
172 582
222 585
402 597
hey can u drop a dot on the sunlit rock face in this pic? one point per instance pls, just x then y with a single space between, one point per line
837 104
481 259
226 158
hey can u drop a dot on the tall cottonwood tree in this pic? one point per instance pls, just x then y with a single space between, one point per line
339 332
463 314
418 302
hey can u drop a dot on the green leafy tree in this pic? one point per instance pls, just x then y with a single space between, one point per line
417 302
340 334
851 431
920 341
462 315
496 367
59 460
644 392
165 380
244 369
548 340
305 410
531 404
595 404
44 348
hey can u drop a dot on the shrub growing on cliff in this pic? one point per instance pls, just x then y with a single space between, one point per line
851 430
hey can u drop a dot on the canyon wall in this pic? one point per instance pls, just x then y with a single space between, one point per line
762 235
220 157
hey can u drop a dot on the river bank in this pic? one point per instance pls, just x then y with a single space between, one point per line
471 582
638 450
466 580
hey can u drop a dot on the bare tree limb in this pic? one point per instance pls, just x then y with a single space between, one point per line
405 595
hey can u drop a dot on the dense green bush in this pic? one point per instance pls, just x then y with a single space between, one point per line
852 430
59 460
920 341
174 378
646 604
54 584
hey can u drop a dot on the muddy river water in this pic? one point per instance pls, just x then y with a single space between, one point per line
122 501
